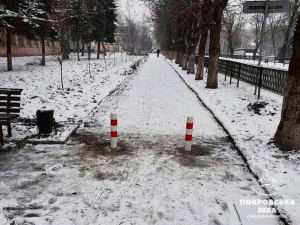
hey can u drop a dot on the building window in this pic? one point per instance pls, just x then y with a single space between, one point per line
48 43
20 40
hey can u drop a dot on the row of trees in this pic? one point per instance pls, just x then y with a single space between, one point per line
63 20
136 36
180 25
183 24
136 33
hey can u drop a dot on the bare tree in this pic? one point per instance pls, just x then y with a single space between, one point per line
233 22
56 54
256 21
275 32
205 20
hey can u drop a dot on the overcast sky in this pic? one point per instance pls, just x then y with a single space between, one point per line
135 9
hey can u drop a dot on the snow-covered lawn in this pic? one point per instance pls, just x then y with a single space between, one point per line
253 133
82 90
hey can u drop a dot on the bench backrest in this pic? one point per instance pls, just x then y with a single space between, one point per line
10 101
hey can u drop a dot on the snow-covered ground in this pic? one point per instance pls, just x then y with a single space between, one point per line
253 133
149 179
83 90
279 66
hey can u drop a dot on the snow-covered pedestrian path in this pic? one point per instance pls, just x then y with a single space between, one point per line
151 180
159 103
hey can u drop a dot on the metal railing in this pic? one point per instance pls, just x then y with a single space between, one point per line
265 59
273 80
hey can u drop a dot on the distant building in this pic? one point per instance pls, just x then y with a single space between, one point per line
109 47
22 46
73 46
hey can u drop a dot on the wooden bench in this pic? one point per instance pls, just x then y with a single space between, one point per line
9 109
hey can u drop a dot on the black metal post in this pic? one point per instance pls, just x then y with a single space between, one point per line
1 136
226 69
260 82
239 75
231 71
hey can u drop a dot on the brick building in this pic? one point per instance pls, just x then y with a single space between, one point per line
22 46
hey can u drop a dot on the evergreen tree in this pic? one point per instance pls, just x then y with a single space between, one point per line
104 22
43 30
20 16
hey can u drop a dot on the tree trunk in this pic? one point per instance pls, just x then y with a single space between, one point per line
61 75
282 52
43 50
255 51
181 58
273 42
64 48
78 49
178 57
174 55
191 63
184 61
8 49
82 50
104 54
104 50
203 41
214 51
191 52
287 136
170 55
98 50
230 47
89 51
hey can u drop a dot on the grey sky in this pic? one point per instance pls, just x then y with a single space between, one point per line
135 9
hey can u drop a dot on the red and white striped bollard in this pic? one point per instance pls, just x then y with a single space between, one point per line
113 130
189 132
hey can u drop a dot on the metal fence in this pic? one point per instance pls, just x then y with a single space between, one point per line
266 59
270 79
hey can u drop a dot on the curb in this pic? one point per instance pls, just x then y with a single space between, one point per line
51 142
240 152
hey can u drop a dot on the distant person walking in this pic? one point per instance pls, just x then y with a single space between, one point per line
158 51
